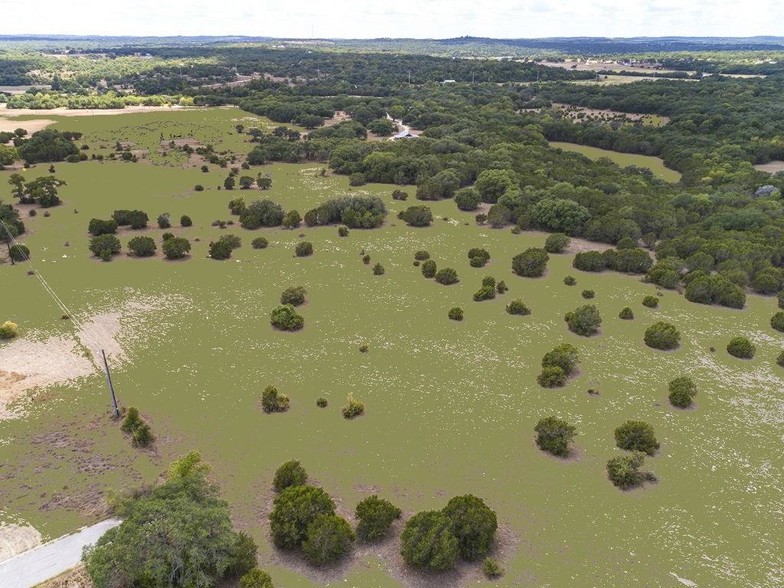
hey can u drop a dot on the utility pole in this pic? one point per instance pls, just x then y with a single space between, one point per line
111 386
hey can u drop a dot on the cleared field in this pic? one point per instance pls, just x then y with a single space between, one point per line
450 407
772 167
654 164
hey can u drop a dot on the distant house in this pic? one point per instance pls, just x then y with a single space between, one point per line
404 135
448 82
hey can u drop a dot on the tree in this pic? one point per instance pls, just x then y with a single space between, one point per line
494 183
375 516
552 376
636 436
102 227
741 347
626 314
229 183
43 190
467 199
8 155
164 221
487 291
531 263
294 509
256 578
556 243
378 270
473 523
584 321
478 257
9 330
560 215
262 213
142 246
682 392
624 470
650 301
264 182
777 321
222 248
564 357
289 474
185 221
329 538
246 182
294 296
259 243
429 542
417 216
285 318
517 307
553 435
715 289
303 249
176 248
455 313
590 261
662 335
291 219
445 276
429 268
105 246
19 252
46 146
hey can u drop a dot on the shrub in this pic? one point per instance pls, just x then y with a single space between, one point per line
564 356
294 296
474 525
626 314
478 257
167 236
456 313
366 259
531 263
517 307
487 291
329 538
363 348
446 276
501 287
164 221
553 435
741 347
259 243
630 261
19 252
322 402
584 321
176 248
285 318
421 256
105 246
353 408
8 330
429 268
291 219
378 270
780 359
399 195
781 299
342 231
570 281
428 542
650 301
99 227
480 218
624 470
588 294
355 212
261 213
289 474
417 216
303 249
274 401
490 568
357 179
256 578
682 392
715 289
551 377
185 221
662 335
375 516
294 509
467 199
222 248
777 321
589 261
556 243
636 436
142 436
142 246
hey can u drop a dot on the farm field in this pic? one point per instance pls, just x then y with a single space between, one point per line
450 407
655 164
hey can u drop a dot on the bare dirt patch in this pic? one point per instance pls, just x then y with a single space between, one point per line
91 111
75 578
771 167
16 539
31 126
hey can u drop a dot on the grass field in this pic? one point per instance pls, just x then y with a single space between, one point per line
654 164
450 407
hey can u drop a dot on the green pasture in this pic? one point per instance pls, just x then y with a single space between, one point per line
450 407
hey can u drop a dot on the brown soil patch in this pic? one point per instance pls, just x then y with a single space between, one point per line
771 167
89 503
31 126
75 578
16 539
91 111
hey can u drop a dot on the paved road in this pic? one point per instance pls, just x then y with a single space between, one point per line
50 559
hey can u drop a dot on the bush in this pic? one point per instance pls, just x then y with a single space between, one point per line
198 188
589 261
715 289
584 321
629 261
624 470
682 392
556 243
185 221
399 195
285 318
291 219
294 509
626 314
780 359
355 212
142 246
294 296
167 236
421 256
781 299
445 276
105 246
99 227
303 249
491 569
256 578
662 335
487 291
259 243
322 402
357 179
342 231
551 377
478 257
636 436
8 330
517 307
20 252
274 401
531 263
474 525
261 213
353 408
428 542
650 301
588 294
429 268
134 425
375 516
741 347
329 538
570 281
366 259
553 435
378 270
222 248
456 313
176 248
289 474
501 287
564 356
777 321
417 216
164 221
467 199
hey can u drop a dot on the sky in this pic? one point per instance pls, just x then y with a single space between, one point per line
395 18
